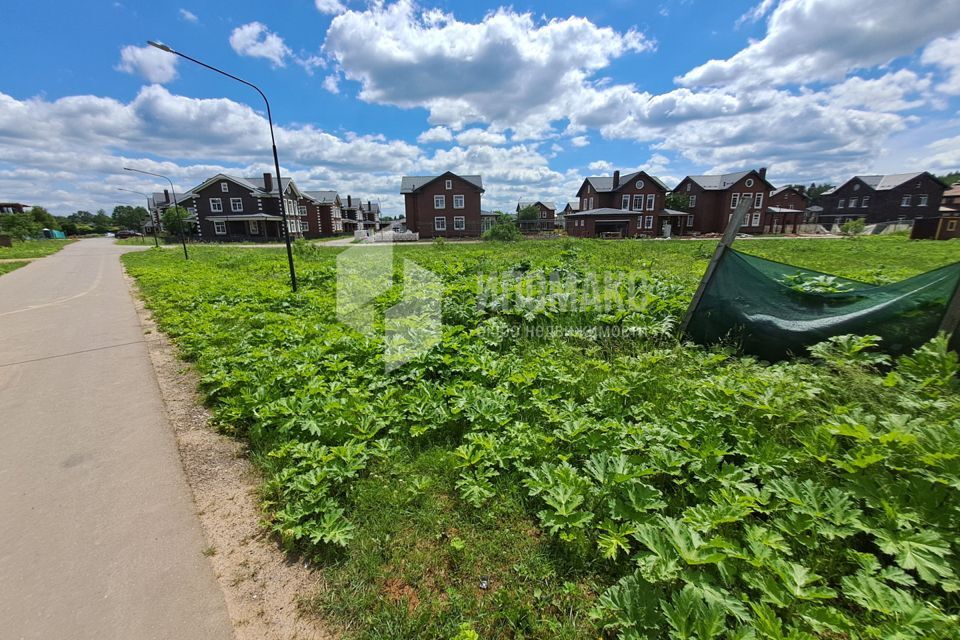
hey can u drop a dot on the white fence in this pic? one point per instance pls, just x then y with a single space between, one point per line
385 236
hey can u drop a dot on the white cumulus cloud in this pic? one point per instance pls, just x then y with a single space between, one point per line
151 63
255 40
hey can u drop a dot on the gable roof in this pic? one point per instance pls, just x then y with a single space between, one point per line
411 184
782 189
885 182
720 181
604 184
258 184
572 206
549 205
322 197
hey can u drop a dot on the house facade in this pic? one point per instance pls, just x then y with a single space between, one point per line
883 198
622 206
234 209
713 198
951 198
786 210
321 210
447 205
546 216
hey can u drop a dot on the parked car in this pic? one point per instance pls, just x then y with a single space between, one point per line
127 233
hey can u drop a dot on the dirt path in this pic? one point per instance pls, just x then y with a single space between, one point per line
261 584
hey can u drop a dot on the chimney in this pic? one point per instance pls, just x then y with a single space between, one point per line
166 196
763 173
268 182
369 206
616 179
349 202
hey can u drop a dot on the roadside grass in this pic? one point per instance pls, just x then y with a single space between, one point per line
7 267
33 248
579 487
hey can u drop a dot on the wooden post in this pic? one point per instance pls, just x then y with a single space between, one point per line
729 235
951 317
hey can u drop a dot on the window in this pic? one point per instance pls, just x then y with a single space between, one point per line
951 225
448 184
865 201
650 200
220 227
639 184
583 204
693 201
923 200
734 200
689 221
625 201
756 218
648 222
439 223
749 182
905 201
224 187
638 202
439 202
590 203
302 210
459 223
853 203
757 201
254 227
458 202
841 203
688 186
216 205
236 205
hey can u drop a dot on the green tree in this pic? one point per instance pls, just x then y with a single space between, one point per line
529 212
504 230
44 218
127 217
19 225
172 218
815 192
678 201
102 223
852 227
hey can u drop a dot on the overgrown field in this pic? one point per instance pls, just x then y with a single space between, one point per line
32 248
583 484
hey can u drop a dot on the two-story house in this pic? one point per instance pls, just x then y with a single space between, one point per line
626 206
546 216
234 209
447 205
786 208
370 215
713 198
321 210
883 198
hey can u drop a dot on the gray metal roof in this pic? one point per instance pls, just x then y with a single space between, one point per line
409 184
881 182
603 184
718 182
549 205
323 197
573 206
257 183
607 211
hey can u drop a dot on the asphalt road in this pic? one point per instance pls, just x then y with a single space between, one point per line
99 536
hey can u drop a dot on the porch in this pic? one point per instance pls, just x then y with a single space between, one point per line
257 227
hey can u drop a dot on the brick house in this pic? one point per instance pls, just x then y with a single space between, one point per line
546 216
713 198
951 198
883 198
786 208
233 209
322 212
370 215
447 205
628 206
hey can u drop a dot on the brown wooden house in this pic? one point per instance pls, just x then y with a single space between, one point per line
447 205
786 208
546 216
321 210
883 198
627 206
713 198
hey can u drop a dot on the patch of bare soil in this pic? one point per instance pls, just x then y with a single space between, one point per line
263 586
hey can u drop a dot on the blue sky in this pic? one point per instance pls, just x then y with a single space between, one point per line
533 95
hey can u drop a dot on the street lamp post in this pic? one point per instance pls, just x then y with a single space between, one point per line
173 192
273 141
156 241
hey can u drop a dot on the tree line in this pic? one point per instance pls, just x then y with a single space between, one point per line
31 223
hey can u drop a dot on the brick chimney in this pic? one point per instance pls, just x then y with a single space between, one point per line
763 173
166 196
349 202
268 182
616 179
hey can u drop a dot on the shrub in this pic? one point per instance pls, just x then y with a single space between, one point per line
853 227
503 231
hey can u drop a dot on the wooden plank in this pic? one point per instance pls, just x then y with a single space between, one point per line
951 317
729 235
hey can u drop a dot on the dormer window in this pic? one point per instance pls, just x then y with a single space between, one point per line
448 184
224 187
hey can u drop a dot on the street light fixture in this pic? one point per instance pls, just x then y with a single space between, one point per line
156 240
273 141
183 238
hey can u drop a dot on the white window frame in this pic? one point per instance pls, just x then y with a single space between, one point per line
638 202
906 200
253 227
440 223
302 209
924 199
216 205
734 200
692 200
220 227
590 203
459 223
689 221
448 184
853 202
461 198
749 182
688 186
625 202
439 202
648 222
224 187
841 203
758 200
236 205
865 202
756 219
651 199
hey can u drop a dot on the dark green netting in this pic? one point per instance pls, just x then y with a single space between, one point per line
775 310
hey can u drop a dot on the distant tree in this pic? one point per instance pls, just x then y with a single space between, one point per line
102 223
127 217
815 192
678 201
504 230
81 217
172 218
852 227
44 218
950 178
20 225
529 212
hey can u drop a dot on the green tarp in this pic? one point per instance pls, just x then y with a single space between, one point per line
775 311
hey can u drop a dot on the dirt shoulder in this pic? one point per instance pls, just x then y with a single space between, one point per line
262 585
